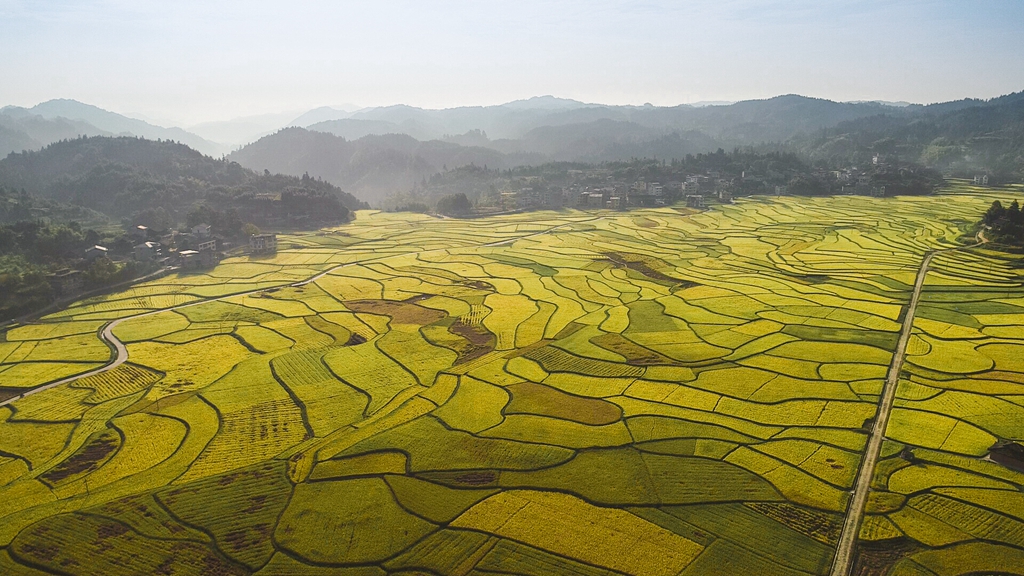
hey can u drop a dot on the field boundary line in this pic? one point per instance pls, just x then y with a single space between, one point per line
121 352
842 562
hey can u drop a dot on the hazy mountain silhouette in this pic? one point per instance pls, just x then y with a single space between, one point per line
92 120
124 175
21 130
375 152
372 167
378 152
353 128
545 103
322 114
242 130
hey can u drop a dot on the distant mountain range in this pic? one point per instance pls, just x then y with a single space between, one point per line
54 120
32 128
376 152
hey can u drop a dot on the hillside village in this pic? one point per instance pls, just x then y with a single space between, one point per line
694 181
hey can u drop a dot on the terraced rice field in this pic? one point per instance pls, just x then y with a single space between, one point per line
660 392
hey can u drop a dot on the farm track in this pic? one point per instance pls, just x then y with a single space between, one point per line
842 562
121 352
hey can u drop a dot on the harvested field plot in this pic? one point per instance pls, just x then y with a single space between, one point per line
546 393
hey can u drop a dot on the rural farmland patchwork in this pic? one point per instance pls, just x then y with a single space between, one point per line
657 392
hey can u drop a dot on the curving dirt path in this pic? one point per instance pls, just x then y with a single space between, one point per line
842 563
121 353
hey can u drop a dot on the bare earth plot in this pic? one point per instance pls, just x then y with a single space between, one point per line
547 393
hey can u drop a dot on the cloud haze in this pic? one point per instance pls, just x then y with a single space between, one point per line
190 61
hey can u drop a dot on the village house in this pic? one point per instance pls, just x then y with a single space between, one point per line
509 200
189 259
147 251
208 255
263 243
95 252
167 240
139 233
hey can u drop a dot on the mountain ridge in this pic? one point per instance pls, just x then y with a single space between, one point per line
106 122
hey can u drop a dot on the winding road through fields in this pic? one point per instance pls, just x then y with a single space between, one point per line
121 353
842 563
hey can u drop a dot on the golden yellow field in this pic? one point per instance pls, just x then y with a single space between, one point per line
587 393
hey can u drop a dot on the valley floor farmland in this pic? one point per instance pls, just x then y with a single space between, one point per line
603 393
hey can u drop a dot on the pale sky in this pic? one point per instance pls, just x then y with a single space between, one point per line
187 61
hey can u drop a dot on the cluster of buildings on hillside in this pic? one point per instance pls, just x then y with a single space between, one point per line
598 188
199 248
195 249
602 187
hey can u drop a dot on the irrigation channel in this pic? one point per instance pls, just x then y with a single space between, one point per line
842 562
121 353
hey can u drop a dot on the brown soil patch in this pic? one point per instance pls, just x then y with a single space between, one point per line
878 558
825 528
531 398
355 340
643 265
399 312
256 503
644 222
479 285
8 393
1009 454
480 341
471 478
634 353
111 530
94 452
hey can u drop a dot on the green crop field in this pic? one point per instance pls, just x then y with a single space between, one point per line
662 392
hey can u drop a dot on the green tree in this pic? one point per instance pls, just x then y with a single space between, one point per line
102 271
454 205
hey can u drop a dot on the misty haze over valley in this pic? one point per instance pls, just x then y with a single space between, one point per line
379 153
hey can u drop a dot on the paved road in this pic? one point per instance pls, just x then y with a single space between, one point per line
843 561
121 353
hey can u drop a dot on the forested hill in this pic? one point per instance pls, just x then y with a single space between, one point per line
965 137
372 166
124 176
986 137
